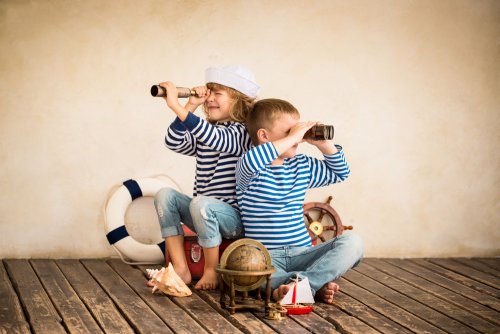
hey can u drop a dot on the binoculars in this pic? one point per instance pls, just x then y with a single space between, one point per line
320 132
159 91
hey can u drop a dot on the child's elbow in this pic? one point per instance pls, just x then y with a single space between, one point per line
343 176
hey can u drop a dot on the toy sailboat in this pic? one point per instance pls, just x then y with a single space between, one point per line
298 294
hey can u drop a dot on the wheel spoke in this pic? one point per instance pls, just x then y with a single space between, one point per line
321 215
327 217
309 219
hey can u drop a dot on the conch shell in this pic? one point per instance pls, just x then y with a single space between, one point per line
167 281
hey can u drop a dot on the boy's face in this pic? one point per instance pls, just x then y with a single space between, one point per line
218 105
280 129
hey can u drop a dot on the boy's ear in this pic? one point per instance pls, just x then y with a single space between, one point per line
262 136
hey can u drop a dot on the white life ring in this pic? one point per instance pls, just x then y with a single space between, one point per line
116 232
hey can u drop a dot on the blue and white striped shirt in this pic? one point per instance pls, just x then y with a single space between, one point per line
270 197
216 148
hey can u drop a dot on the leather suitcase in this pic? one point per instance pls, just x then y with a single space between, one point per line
194 252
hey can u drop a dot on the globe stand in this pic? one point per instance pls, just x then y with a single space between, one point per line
244 266
245 301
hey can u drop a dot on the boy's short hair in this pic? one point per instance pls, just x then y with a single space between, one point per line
242 104
264 113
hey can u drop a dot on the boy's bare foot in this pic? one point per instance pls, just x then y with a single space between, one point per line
209 280
325 294
281 291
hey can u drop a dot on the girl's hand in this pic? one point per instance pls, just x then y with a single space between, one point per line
171 98
202 94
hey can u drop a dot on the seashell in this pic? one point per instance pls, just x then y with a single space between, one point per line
167 281
152 272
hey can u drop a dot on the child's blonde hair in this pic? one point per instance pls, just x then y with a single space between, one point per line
264 114
241 106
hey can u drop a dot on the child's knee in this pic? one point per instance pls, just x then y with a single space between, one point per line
355 245
200 204
164 195
165 199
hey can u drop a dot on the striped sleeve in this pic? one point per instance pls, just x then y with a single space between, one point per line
253 161
232 139
333 169
179 140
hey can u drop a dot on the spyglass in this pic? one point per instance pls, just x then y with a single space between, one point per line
159 91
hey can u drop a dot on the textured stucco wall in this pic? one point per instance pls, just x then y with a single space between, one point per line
412 88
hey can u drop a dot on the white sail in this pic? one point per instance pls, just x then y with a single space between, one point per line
303 293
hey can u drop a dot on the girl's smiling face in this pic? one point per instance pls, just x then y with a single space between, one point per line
218 105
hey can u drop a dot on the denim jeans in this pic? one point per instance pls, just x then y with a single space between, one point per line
320 264
210 218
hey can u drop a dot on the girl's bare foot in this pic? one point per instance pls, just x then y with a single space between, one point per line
186 277
184 274
281 291
209 280
325 294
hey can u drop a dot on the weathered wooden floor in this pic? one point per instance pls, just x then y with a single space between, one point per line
380 295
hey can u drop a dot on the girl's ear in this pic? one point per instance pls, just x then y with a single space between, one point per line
262 136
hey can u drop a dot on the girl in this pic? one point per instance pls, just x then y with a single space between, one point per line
216 142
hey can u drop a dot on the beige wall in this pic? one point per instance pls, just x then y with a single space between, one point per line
412 88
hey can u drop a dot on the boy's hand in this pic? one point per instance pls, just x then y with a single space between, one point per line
325 146
202 94
298 131
294 137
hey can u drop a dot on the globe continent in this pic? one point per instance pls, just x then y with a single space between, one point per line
246 258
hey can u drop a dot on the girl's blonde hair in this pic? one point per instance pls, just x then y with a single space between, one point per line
242 104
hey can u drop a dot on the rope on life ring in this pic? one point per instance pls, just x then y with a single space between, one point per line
130 250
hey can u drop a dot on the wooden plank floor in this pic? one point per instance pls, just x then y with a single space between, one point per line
379 296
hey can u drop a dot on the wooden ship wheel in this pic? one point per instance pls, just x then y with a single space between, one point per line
322 221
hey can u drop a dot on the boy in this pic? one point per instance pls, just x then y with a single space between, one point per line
271 183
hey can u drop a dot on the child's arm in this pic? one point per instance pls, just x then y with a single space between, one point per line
232 139
325 146
295 136
253 161
333 169
179 140
202 93
260 156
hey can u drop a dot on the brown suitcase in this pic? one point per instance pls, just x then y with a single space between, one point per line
194 252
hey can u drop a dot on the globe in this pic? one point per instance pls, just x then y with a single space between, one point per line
247 257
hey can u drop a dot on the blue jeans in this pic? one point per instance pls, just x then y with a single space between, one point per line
320 264
210 218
